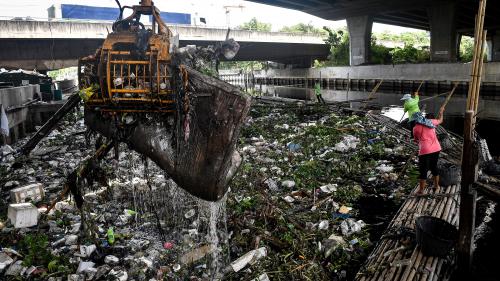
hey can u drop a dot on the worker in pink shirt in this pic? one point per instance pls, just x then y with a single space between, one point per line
424 133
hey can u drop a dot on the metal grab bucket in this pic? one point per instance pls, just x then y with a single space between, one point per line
435 236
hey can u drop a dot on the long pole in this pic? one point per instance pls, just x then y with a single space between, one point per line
470 154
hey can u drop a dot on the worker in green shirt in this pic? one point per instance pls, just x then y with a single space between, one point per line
411 106
317 91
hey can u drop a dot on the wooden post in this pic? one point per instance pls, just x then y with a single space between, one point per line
467 196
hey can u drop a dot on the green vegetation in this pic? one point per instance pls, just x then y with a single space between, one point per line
243 65
416 38
415 48
36 251
254 24
304 28
386 47
410 54
65 73
466 48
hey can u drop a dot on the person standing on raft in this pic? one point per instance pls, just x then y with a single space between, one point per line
429 148
411 106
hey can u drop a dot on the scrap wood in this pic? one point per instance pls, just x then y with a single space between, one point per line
45 130
491 191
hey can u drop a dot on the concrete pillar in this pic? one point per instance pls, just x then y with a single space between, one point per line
360 33
494 46
444 39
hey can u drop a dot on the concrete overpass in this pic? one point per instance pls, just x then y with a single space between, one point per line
447 20
46 45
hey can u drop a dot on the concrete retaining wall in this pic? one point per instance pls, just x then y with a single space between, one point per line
427 72
12 100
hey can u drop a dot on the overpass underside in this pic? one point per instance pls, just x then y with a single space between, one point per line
47 45
48 54
446 20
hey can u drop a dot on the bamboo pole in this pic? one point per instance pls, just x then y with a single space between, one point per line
469 159
420 86
374 90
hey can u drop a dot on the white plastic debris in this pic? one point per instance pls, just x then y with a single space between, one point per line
119 275
5 260
329 188
289 199
272 185
146 261
111 259
350 226
332 243
249 258
84 266
288 184
75 228
262 277
190 214
23 215
117 81
15 269
323 225
348 142
86 251
385 168
71 239
34 192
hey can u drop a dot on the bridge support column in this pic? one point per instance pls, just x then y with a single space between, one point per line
360 33
494 46
444 39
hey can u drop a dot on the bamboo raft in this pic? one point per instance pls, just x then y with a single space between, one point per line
394 258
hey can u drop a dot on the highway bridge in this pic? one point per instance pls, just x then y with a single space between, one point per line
56 44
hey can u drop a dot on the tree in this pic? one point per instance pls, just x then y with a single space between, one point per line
304 28
466 48
243 65
415 38
410 54
254 24
338 40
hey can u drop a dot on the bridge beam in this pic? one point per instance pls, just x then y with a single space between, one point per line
360 33
444 39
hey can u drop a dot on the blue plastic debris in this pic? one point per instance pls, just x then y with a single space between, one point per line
293 146
341 216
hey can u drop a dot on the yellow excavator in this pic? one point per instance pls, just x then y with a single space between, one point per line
141 89
131 71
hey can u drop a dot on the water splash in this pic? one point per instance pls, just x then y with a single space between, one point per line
161 208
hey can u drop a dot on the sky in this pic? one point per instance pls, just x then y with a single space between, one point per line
213 10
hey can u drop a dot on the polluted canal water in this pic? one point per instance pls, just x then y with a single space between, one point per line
316 189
